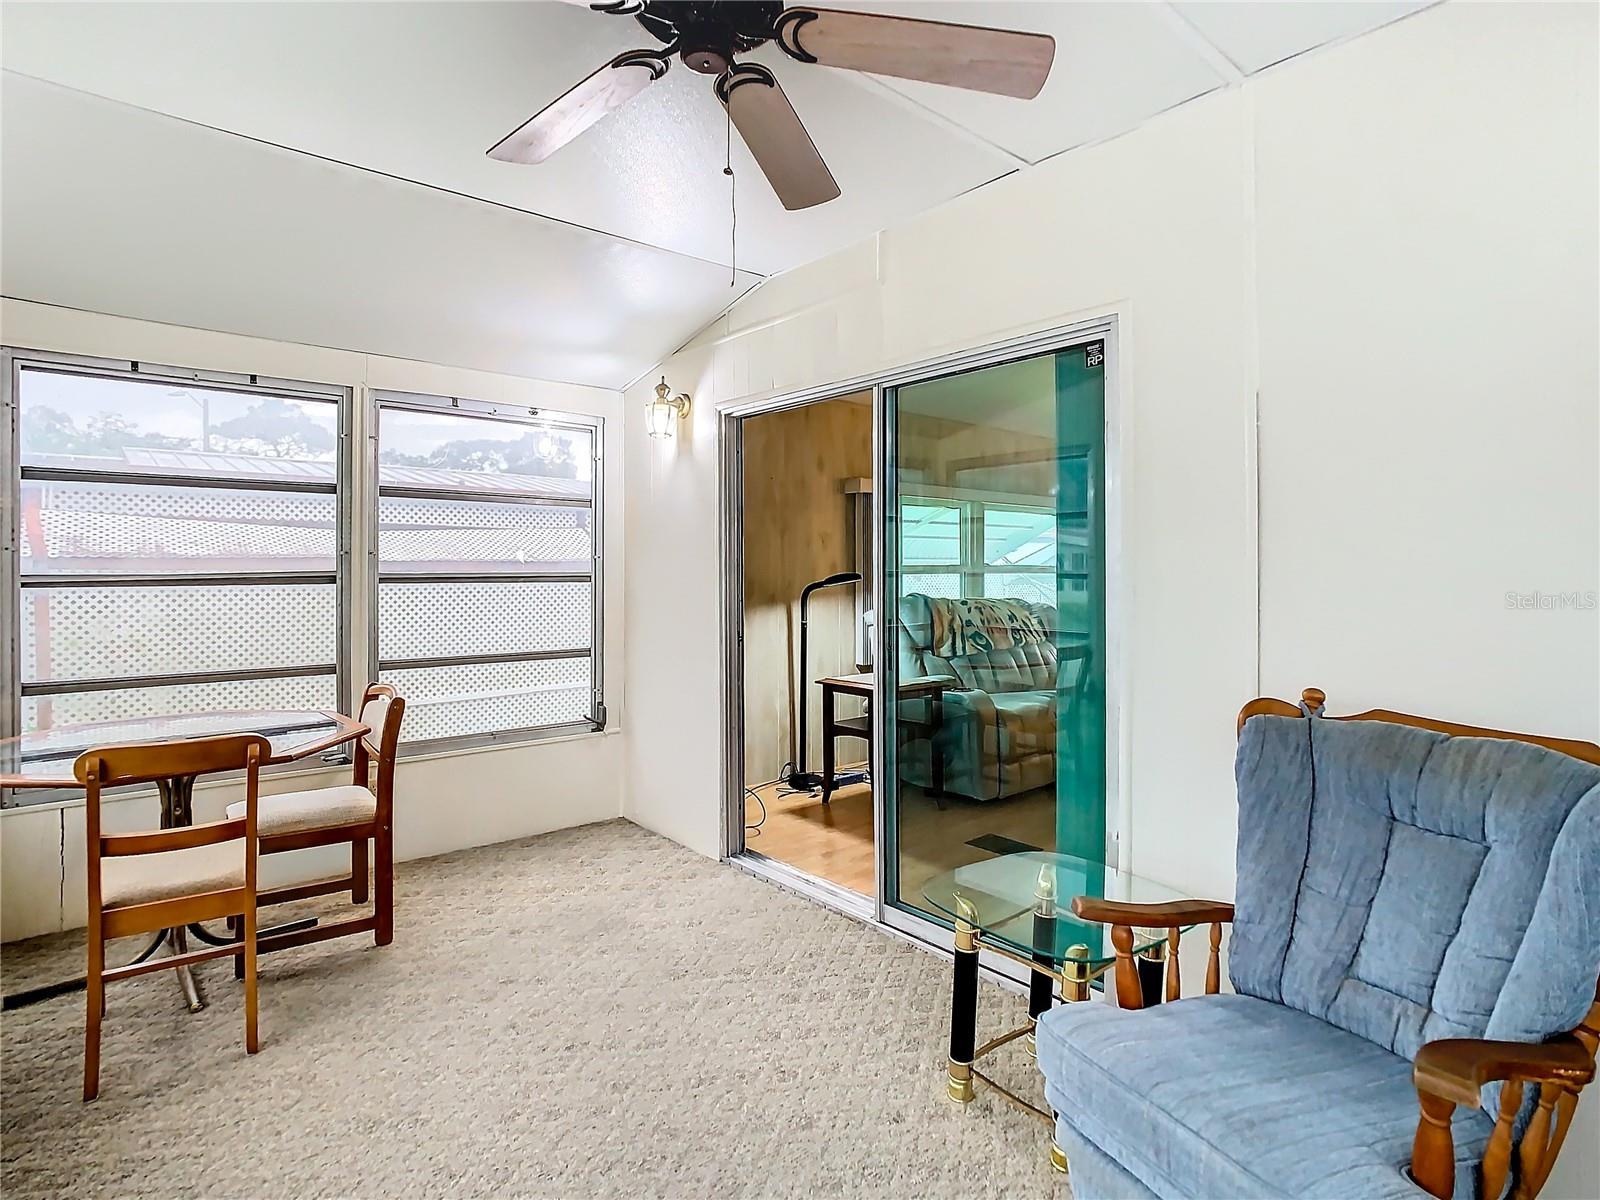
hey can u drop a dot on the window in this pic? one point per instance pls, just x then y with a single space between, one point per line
487 596
178 542
1000 549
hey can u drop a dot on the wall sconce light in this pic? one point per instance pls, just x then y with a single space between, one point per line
664 412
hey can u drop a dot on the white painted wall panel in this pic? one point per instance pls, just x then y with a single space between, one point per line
1423 322
1430 375
1087 234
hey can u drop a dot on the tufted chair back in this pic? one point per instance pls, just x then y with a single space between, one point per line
1408 885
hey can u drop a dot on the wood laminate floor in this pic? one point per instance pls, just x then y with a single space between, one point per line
834 841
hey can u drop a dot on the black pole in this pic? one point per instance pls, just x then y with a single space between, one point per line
799 778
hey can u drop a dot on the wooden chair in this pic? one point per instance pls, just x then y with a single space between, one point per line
357 813
149 882
1448 1072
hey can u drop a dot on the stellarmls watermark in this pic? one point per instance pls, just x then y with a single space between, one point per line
1538 601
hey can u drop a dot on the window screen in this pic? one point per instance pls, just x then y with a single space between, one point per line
487 543
178 543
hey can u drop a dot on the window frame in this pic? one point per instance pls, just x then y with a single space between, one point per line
13 361
380 399
973 566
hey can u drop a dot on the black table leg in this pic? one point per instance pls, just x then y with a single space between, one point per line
964 1005
827 743
1041 984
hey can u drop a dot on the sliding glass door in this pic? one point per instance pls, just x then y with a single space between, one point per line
993 621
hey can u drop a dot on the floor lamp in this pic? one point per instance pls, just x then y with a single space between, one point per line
800 779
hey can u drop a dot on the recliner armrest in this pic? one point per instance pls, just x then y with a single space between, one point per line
1455 1069
1173 914
1451 1072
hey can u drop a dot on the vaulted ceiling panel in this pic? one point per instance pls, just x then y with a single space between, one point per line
1254 36
117 210
331 153
422 90
1116 66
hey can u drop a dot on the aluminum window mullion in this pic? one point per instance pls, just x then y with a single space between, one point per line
484 577
402 491
138 372
154 479
176 579
10 555
70 687
484 410
429 662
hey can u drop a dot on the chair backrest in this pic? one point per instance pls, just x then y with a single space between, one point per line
113 766
1418 880
382 709
1028 664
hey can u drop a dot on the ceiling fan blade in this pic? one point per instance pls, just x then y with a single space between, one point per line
608 89
770 127
1002 61
615 8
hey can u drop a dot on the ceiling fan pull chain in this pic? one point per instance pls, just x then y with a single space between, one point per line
733 206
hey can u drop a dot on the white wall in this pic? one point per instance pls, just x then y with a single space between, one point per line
442 801
1395 242
1151 226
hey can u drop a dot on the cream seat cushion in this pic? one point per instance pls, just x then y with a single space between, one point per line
320 808
192 871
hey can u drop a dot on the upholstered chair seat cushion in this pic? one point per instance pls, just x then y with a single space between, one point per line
192 871
320 808
1234 1096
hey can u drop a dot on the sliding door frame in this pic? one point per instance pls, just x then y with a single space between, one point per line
1105 326
731 416
1102 329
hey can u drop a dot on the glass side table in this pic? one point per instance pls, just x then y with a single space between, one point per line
1019 906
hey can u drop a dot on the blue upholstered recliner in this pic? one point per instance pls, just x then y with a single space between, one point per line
998 735
1398 887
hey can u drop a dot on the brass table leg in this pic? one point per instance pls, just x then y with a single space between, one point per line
964 1004
1075 979
1075 974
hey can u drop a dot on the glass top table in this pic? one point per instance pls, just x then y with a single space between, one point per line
1023 902
1020 907
44 758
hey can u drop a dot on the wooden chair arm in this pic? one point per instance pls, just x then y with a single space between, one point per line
1170 915
1453 1070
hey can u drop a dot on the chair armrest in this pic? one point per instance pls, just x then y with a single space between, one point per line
1172 914
1451 1072
1455 1069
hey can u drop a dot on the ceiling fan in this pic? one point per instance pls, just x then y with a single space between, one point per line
707 34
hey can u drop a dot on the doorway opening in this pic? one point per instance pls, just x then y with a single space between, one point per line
920 655
806 637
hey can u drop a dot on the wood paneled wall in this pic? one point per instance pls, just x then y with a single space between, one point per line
796 530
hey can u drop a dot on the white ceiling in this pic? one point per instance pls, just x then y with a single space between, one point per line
353 136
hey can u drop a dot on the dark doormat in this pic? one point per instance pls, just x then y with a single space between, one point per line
997 843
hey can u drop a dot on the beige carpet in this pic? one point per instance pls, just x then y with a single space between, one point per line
597 1012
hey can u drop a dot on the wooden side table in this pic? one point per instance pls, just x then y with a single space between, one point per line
835 726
